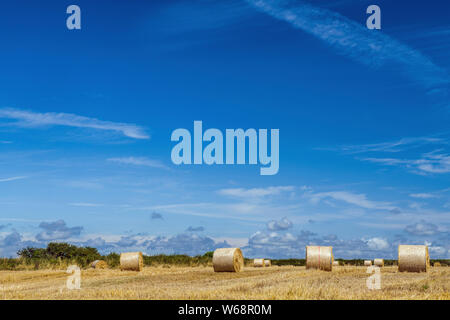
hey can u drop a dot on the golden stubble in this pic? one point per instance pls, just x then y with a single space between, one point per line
163 282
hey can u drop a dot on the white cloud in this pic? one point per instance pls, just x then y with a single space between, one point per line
289 245
30 119
359 200
236 210
432 162
422 228
283 224
436 250
423 195
415 206
255 192
12 179
139 161
85 204
394 146
234 242
377 244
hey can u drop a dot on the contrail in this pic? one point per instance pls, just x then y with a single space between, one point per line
12 179
352 39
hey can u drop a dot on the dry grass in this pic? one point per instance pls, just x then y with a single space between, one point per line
202 283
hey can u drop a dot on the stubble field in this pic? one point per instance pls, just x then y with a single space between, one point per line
202 283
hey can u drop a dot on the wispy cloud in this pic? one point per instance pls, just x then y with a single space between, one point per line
139 161
422 228
240 210
85 204
12 179
30 119
255 192
409 153
429 163
18 220
359 200
354 40
395 146
423 195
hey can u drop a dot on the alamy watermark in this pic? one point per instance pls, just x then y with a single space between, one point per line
374 281
235 147
73 22
74 280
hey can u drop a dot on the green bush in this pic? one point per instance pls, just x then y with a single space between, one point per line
112 259
289 262
209 254
9 263
177 259
59 253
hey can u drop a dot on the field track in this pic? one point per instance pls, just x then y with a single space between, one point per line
202 283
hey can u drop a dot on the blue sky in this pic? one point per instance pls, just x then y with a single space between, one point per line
86 118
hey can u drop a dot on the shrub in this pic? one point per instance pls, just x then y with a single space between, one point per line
112 259
59 253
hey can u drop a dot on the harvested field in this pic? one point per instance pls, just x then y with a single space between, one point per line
285 282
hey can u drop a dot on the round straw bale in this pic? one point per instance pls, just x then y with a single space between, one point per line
413 258
131 261
367 263
436 264
99 264
228 260
259 263
319 258
378 262
336 263
267 263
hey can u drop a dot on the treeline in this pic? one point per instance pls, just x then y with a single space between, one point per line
349 262
57 255
342 262
61 255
